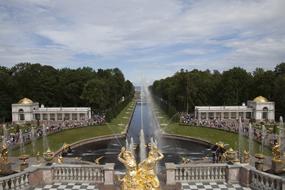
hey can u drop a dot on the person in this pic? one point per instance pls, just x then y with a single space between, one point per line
146 169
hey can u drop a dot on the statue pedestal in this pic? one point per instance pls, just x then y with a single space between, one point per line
277 166
6 168
23 166
259 165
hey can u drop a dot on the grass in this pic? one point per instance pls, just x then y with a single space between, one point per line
209 134
55 141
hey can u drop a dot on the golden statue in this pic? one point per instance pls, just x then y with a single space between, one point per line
130 181
146 169
4 153
60 159
246 156
276 152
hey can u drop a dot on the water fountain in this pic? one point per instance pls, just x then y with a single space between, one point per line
48 155
132 148
250 143
240 139
142 146
260 156
33 139
5 165
23 157
278 160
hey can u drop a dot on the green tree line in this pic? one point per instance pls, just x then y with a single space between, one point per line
186 89
105 91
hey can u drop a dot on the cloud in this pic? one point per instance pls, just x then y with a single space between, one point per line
164 35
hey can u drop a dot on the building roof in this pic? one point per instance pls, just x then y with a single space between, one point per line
260 99
25 101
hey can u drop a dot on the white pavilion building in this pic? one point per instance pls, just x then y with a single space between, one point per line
259 109
26 111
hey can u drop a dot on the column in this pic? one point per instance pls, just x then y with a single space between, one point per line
207 115
41 116
86 116
237 115
55 116
78 117
244 115
199 116
215 115
48 116
70 116
222 115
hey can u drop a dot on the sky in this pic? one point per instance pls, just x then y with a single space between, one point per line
146 39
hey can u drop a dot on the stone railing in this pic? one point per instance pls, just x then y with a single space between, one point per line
264 181
195 172
83 173
40 175
15 181
243 174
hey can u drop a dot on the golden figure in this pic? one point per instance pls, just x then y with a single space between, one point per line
4 153
60 159
146 171
130 181
245 156
276 152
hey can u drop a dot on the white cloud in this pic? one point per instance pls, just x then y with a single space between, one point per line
248 33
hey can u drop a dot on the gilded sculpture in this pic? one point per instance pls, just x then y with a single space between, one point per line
276 152
143 176
4 153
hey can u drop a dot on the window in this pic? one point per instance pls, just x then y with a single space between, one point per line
37 116
52 116
82 116
59 116
74 116
21 115
226 115
66 116
265 113
211 115
218 115
248 115
45 116
233 115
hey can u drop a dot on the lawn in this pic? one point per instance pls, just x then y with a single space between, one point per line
209 134
55 141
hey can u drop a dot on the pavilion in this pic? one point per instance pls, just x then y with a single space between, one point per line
259 109
26 111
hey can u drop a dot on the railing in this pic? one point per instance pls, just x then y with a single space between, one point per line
264 181
15 181
76 173
200 172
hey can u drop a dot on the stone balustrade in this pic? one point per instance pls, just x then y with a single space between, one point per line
15 181
195 172
82 173
264 181
40 175
243 174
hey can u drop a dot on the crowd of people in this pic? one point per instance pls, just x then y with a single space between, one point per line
48 127
231 125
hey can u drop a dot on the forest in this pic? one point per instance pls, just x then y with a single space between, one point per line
105 91
187 89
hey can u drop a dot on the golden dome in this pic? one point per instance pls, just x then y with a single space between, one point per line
25 101
260 99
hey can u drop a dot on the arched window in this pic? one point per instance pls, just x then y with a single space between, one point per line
21 115
265 113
